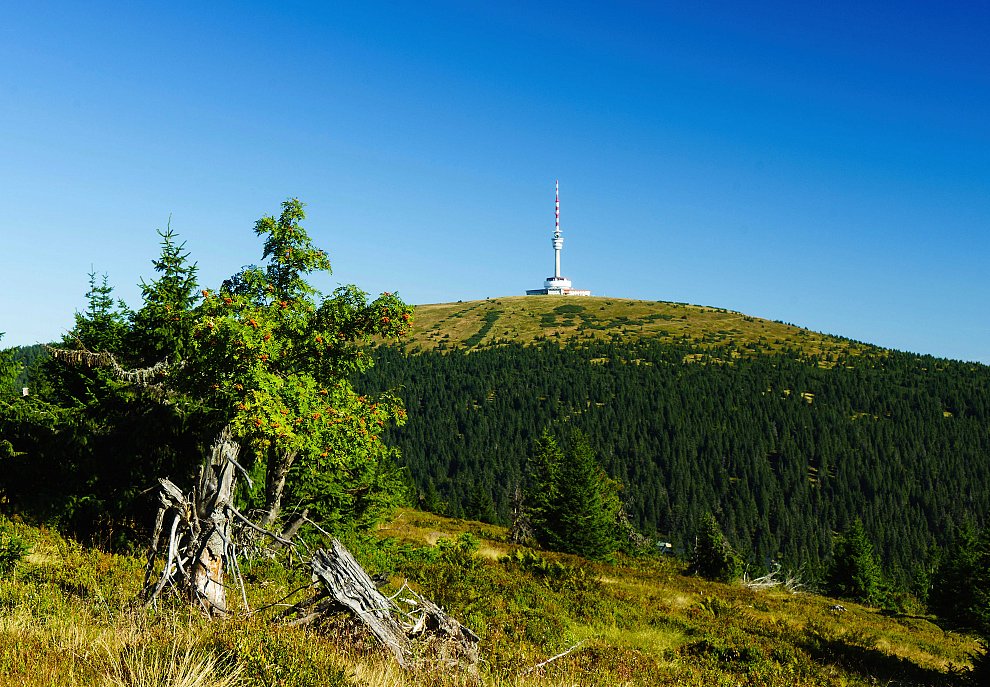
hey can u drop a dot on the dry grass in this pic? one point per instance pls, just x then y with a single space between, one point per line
67 617
420 527
144 666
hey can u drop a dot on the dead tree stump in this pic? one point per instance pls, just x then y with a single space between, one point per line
350 588
198 544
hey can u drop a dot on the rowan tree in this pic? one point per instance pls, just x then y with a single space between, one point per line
275 358
264 353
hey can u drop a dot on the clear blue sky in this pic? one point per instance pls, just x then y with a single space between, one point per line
826 164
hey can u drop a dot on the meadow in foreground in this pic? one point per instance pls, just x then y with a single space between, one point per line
71 616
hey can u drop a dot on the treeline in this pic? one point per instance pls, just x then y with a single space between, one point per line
785 452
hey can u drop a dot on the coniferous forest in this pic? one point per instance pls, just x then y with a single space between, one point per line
785 451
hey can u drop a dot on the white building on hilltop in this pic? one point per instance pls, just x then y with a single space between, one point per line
557 285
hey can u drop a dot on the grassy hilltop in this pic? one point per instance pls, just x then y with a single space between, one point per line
525 319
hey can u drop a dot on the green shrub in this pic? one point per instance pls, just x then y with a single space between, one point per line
13 549
717 607
724 650
460 550
981 667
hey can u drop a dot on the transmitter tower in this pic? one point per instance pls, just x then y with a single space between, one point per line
557 285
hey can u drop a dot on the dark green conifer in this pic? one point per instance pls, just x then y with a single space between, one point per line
961 588
480 505
589 504
103 326
572 504
713 557
9 369
431 501
161 328
543 492
855 573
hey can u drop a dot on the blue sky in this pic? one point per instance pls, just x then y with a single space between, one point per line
826 164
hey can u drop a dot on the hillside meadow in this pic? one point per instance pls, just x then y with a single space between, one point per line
71 616
525 319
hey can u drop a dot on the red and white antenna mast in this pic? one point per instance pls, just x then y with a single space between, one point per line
558 238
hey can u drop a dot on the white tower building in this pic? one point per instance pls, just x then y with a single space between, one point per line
557 285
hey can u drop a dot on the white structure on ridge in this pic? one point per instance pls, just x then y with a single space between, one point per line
557 285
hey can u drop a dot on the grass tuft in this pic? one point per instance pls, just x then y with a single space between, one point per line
170 666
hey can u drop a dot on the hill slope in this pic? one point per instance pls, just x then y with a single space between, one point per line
784 434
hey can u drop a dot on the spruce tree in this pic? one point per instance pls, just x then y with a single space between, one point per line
480 504
431 501
589 503
103 326
542 494
961 588
572 504
161 328
713 557
855 573
9 369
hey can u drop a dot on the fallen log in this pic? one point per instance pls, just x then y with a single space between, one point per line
425 628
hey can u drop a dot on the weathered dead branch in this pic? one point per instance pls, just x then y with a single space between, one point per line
349 585
206 534
522 529
147 376
553 658
775 579
444 637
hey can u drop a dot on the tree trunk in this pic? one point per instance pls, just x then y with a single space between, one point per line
428 630
276 473
351 588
